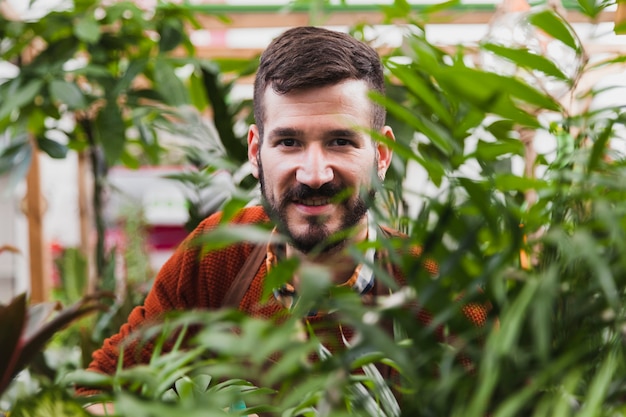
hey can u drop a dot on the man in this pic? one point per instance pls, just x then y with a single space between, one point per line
317 165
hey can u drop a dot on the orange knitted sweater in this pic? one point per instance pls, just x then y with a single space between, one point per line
190 281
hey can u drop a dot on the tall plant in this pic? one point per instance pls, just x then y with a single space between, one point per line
111 69
551 271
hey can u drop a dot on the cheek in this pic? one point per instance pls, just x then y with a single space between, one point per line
278 169
359 173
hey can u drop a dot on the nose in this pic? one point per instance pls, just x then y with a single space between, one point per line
314 169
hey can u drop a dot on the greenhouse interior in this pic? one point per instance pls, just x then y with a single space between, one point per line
313 208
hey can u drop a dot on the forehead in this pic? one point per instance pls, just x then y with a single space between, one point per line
345 104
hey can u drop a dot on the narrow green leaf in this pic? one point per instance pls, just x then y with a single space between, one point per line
111 132
12 317
53 148
168 84
87 29
42 331
493 150
50 401
620 28
435 133
591 7
496 94
129 160
600 147
524 58
423 91
510 182
93 71
21 97
67 93
501 129
555 26
223 118
16 159
136 67
197 93
171 34
13 154
599 387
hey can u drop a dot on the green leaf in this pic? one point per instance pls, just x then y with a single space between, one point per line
67 93
399 9
620 28
53 148
87 29
434 132
22 96
496 94
555 26
510 182
591 8
493 150
501 129
12 320
111 132
136 67
92 71
600 386
196 90
51 401
41 329
129 160
524 58
14 154
36 123
423 90
16 159
171 34
222 116
168 84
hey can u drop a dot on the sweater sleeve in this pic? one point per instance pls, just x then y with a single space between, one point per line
166 294
188 280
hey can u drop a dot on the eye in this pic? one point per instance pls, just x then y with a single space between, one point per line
288 142
341 142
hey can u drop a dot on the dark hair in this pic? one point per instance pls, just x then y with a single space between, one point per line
308 56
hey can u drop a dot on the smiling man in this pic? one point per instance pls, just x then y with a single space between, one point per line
312 152
310 148
317 170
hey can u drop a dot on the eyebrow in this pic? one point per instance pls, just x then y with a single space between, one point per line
283 132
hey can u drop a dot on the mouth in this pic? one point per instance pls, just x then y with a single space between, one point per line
314 202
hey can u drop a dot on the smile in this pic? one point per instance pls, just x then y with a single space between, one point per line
315 201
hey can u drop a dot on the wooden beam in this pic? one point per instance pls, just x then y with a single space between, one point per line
288 19
620 18
39 253
39 256
86 215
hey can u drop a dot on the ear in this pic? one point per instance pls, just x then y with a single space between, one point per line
384 152
254 145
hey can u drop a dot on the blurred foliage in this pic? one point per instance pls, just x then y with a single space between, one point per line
543 247
26 329
107 80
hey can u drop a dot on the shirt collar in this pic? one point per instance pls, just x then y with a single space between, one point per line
362 279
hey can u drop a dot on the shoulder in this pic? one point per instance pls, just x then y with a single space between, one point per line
247 215
408 248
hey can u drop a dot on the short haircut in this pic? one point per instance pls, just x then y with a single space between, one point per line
312 57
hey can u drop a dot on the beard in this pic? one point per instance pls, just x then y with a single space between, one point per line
317 235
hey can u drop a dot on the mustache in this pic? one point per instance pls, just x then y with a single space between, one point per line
303 191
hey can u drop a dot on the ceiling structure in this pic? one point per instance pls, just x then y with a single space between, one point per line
242 29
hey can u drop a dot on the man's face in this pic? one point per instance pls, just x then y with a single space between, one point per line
316 161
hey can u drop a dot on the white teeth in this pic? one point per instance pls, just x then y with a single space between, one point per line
315 202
